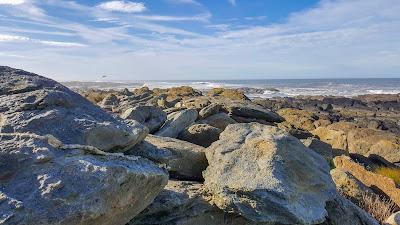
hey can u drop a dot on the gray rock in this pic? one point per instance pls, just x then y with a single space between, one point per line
209 110
343 212
110 101
177 122
219 120
247 110
30 103
200 134
45 178
320 147
183 160
150 116
266 175
183 203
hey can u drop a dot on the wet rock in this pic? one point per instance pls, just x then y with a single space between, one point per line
253 167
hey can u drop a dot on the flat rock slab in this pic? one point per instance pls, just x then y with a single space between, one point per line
177 122
265 175
183 160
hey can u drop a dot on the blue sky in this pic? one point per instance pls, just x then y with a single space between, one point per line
195 39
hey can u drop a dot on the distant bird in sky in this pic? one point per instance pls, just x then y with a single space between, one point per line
104 76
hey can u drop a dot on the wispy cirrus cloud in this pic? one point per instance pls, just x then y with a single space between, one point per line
335 37
123 6
190 2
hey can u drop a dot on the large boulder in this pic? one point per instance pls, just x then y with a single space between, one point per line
44 176
30 103
232 94
200 134
183 160
268 176
151 116
378 183
176 122
184 203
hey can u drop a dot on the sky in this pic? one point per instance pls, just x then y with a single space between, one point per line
201 39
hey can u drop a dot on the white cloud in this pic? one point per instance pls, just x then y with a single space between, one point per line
12 2
12 38
201 18
5 38
123 6
61 44
190 2
232 2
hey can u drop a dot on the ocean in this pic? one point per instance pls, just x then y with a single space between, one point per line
266 88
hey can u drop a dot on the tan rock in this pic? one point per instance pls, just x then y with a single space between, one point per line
301 119
394 219
372 180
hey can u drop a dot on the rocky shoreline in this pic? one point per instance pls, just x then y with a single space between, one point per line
178 156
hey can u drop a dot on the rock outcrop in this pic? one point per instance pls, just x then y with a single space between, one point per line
267 176
45 177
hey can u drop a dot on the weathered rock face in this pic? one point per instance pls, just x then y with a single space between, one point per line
176 122
200 134
266 175
183 203
364 141
183 160
30 103
376 182
45 178
301 119
350 186
219 120
342 211
150 116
